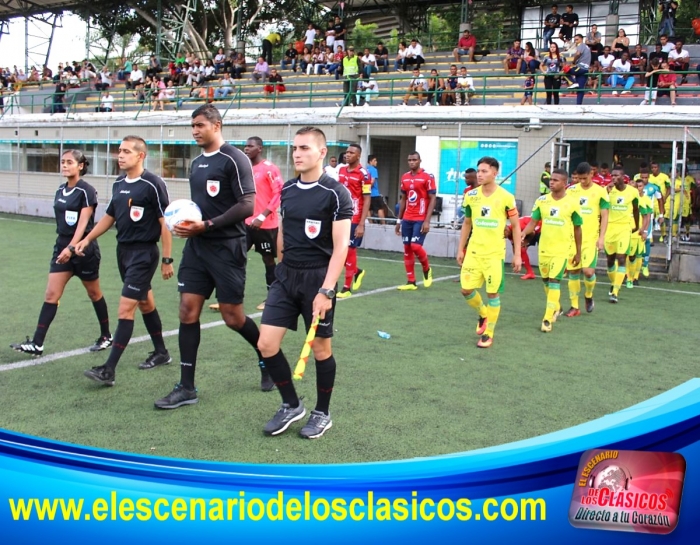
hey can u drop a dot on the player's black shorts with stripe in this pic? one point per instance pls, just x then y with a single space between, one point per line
86 267
292 294
265 240
137 264
209 263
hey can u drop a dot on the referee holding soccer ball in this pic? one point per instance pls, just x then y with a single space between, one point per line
221 184
139 199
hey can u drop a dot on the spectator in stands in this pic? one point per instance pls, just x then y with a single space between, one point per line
381 55
105 79
579 70
73 79
369 63
569 22
417 87
465 46
436 87
261 70
414 55
652 79
449 97
290 58
310 36
658 53
209 71
46 74
306 59
136 78
621 44
666 45
2 90
239 66
606 60
330 35
225 87
319 60
514 57
339 33
106 102
668 18
274 84
272 40
551 24
154 67
169 93
621 72
531 62
351 71
34 75
59 95
184 74
299 47
336 66
465 87
59 73
126 72
679 60
220 60
400 62
639 62
552 66
228 61
593 41
529 87
366 89
667 83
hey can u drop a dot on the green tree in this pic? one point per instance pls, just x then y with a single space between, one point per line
364 36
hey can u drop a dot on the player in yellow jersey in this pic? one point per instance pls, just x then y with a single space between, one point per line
486 211
635 257
560 239
663 182
688 184
595 205
623 220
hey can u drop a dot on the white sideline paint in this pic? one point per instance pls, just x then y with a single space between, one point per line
80 351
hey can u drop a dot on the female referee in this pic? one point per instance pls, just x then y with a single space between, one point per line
74 207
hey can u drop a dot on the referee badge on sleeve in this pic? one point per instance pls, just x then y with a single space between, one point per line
213 187
71 217
312 228
136 213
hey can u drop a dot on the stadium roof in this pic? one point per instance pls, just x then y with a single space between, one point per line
20 8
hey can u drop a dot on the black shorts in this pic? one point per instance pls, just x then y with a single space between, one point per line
214 263
137 264
264 240
376 204
663 93
292 294
566 32
86 267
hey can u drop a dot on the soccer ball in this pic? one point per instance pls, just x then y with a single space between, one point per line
181 211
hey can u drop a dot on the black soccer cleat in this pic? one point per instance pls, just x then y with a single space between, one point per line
155 359
177 398
105 341
266 382
590 305
102 374
28 347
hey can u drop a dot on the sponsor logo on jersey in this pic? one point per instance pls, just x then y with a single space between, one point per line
620 200
472 192
62 200
71 217
486 223
583 201
485 211
203 166
312 228
213 187
554 212
125 191
412 196
136 213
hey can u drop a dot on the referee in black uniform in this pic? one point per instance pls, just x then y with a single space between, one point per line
221 183
314 235
139 199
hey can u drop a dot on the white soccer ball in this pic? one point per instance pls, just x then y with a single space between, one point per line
181 210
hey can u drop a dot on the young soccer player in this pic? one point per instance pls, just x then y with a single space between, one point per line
560 238
486 211
417 201
357 180
623 220
139 200
316 216
595 205
663 182
652 191
635 257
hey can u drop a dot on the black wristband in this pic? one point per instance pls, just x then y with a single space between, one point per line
71 248
167 261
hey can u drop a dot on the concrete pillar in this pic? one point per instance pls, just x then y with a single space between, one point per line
612 24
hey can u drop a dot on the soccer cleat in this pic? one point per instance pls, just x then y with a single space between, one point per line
317 425
177 398
481 325
610 291
613 298
528 276
629 284
155 359
557 314
266 382
284 417
28 347
573 312
484 342
428 278
409 286
261 306
573 86
102 374
546 326
590 305
100 344
357 282
645 270
214 306
344 293
635 283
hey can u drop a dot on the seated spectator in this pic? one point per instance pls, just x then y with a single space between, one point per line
166 93
400 62
306 59
666 45
465 87
290 58
225 87
34 75
436 86
220 61
157 90
336 66
531 62
449 97
679 60
274 84
666 83
239 66
105 79
639 62
87 72
621 72
209 71
465 46
417 87
106 102
21 77
261 70
154 67
514 58
369 63
606 60
621 44
135 78
366 89
593 41
73 80
46 74
59 73
381 56
658 53
319 60
414 55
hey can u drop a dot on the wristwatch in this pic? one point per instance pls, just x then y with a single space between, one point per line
330 293
71 249
167 261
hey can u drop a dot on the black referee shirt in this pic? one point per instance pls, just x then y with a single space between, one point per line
67 205
217 182
308 211
137 206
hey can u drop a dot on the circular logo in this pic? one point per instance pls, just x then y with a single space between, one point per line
412 196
